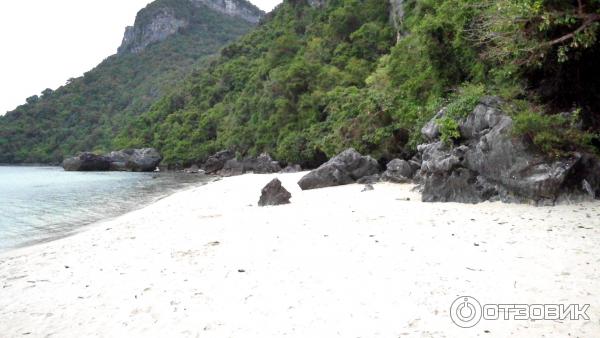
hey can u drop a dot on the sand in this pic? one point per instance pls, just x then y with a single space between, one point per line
336 262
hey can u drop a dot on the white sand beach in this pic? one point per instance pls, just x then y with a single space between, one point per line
336 262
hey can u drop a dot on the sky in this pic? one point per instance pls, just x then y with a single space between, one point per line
43 43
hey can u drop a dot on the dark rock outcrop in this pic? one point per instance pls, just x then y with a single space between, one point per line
87 162
489 163
274 194
345 168
398 171
146 159
217 161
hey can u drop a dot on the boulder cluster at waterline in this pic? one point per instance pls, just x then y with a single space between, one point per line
146 159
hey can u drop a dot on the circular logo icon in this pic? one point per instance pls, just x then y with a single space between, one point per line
465 312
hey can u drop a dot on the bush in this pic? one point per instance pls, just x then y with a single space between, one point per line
449 131
555 135
465 100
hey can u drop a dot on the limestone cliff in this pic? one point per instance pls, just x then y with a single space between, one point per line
163 18
163 24
397 13
237 8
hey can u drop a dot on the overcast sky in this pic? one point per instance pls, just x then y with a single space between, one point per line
45 42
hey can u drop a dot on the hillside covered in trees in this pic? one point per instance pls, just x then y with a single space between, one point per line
317 77
169 39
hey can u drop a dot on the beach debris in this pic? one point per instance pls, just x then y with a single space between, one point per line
274 194
345 168
368 187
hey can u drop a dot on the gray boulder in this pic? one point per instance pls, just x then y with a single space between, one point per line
345 168
430 130
146 159
398 171
217 161
292 168
86 162
232 167
491 164
368 187
371 179
263 164
274 194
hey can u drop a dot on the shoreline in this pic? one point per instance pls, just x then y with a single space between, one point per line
85 226
335 262
84 215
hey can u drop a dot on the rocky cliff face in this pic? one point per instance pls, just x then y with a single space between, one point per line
163 24
237 8
162 19
396 10
397 13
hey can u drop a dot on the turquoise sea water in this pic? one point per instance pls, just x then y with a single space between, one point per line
45 203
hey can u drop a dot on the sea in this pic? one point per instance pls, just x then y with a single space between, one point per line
40 204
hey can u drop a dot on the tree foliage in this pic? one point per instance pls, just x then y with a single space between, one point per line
88 112
309 82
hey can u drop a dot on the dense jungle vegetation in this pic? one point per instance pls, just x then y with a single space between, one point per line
309 82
